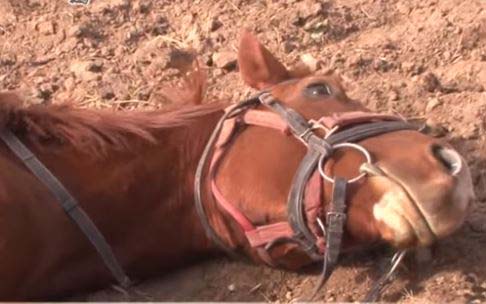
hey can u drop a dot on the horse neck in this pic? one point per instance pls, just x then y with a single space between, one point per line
152 182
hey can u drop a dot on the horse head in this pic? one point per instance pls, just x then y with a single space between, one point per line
400 186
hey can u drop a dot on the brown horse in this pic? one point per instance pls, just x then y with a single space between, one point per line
133 173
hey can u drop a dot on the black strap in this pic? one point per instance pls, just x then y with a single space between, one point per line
69 204
295 204
336 219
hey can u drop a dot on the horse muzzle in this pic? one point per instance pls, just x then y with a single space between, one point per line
419 209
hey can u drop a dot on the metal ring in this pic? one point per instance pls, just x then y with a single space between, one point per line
345 145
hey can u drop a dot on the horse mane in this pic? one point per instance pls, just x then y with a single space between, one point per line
94 130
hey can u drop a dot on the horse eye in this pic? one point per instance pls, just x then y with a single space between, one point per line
317 90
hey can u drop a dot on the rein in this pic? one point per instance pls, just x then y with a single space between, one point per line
304 226
69 204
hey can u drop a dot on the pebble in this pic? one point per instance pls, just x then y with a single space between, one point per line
107 92
430 82
432 103
309 8
289 46
412 68
44 92
215 24
95 66
435 129
46 28
81 69
393 95
310 62
225 60
7 59
142 7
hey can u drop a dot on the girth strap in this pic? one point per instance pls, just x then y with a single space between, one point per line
69 204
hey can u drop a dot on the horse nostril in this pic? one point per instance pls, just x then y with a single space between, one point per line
449 158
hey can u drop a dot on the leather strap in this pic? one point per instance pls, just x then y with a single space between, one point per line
335 219
69 204
200 173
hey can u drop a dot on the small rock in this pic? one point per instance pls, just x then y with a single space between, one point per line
412 68
393 95
142 7
107 51
133 34
40 80
215 24
44 92
430 82
107 92
46 28
76 31
144 94
309 8
289 46
440 279
42 60
381 64
231 287
69 83
471 36
161 26
84 30
95 66
310 62
434 128
469 131
207 59
7 59
359 60
432 103
217 72
181 60
105 7
288 295
472 278
80 69
149 51
225 60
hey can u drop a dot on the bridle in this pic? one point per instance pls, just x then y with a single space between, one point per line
304 226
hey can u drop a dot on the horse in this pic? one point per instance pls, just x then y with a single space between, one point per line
166 187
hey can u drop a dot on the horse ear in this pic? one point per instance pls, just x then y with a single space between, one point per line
258 67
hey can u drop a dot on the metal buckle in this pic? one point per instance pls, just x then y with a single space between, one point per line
335 217
342 145
266 98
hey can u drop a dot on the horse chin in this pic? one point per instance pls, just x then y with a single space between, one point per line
400 221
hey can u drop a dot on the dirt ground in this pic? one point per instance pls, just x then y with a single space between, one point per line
424 59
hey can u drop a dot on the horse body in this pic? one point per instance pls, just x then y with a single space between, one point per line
141 199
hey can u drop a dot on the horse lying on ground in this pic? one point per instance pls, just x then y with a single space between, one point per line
275 178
